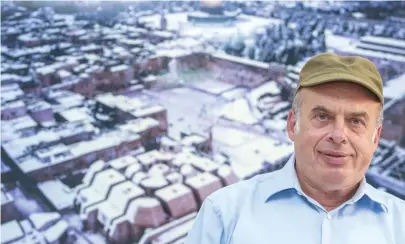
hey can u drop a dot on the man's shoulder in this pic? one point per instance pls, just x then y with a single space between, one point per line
240 190
395 202
392 202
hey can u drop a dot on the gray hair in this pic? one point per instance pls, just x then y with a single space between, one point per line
296 110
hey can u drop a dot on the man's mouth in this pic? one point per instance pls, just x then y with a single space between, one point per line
336 154
334 157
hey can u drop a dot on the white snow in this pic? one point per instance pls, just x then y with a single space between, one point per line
42 220
268 87
214 87
140 125
53 233
395 88
11 231
117 201
239 111
123 162
57 193
77 114
100 186
245 25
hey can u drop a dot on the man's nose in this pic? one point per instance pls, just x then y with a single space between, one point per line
338 132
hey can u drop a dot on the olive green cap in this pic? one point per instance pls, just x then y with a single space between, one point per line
328 67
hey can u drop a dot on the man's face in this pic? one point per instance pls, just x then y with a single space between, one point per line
337 135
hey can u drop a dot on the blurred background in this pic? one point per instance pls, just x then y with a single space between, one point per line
119 118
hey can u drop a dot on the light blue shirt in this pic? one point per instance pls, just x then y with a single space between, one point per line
272 208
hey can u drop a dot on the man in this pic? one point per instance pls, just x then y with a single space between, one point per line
320 195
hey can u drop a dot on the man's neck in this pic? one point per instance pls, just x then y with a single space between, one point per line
328 199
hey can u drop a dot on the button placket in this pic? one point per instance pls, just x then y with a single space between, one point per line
326 229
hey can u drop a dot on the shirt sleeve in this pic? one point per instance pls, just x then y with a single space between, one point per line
208 226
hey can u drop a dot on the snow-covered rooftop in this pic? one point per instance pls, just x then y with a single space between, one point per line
94 168
118 200
105 141
43 220
395 88
11 231
99 188
245 25
119 68
245 61
239 111
146 111
172 192
214 87
76 114
55 232
10 92
38 105
18 124
140 125
59 194
123 162
13 105
193 139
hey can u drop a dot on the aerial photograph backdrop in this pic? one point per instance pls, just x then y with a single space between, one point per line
118 118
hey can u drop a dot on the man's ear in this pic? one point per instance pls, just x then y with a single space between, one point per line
291 122
377 135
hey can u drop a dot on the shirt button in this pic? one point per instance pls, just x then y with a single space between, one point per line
328 216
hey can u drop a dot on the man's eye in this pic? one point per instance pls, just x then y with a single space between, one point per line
322 117
357 121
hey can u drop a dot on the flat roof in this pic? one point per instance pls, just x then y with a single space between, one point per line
128 104
123 162
383 41
57 193
142 112
204 164
39 220
119 68
76 114
395 88
52 150
149 157
6 197
38 105
201 179
20 123
105 141
193 139
19 146
12 105
374 54
140 125
73 128
55 232
240 60
10 92
11 231
173 191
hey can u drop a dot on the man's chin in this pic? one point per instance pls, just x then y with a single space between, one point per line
335 178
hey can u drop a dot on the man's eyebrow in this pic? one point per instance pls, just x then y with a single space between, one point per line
322 109
319 108
361 114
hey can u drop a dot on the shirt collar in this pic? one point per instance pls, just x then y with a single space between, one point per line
286 178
